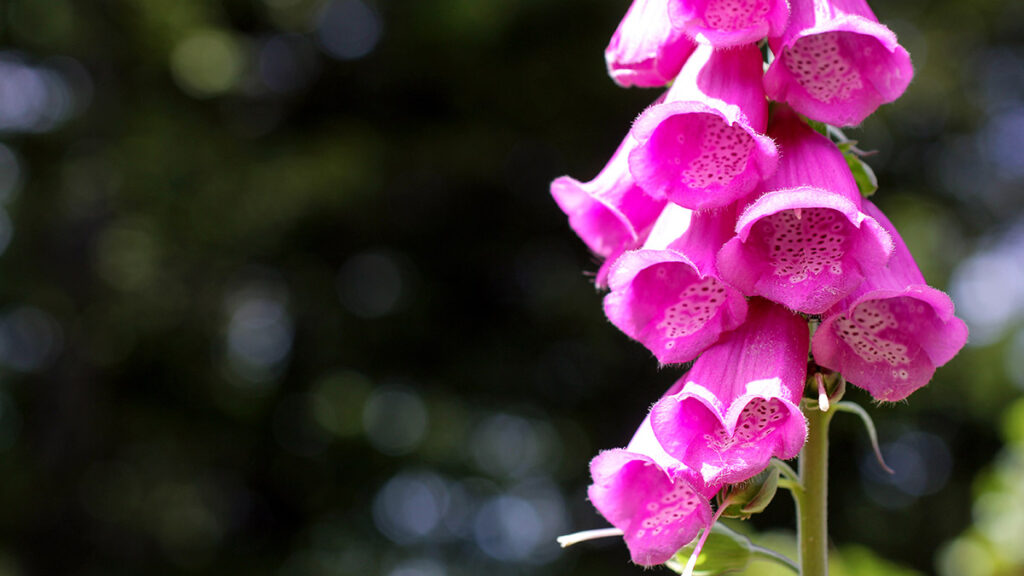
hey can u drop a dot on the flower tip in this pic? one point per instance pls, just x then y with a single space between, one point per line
823 403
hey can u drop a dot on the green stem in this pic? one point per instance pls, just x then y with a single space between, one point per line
812 507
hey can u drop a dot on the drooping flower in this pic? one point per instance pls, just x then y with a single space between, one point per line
646 49
804 243
658 503
835 63
739 405
610 213
890 335
724 23
704 146
667 295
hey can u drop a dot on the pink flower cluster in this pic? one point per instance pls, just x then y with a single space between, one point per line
722 230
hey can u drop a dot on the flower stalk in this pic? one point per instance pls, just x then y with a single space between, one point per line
812 503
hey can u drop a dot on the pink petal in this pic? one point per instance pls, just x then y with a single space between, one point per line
611 213
724 23
835 63
739 405
704 146
658 511
646 49
805 243
893 332
657 503
672 305
660 299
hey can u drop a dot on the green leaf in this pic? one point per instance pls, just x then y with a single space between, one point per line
724 552
867 182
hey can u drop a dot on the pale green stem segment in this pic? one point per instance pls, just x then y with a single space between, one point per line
812 501
786 471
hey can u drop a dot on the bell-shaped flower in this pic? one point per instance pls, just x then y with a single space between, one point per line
890 335
667 295
646 49
724 23
835 63
658 503
704 146
611 213
739 405
804 243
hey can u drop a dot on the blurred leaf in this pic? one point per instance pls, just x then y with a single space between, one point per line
725 551
1013 423
819 127
861 561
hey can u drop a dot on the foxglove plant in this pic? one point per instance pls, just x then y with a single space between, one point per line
736 236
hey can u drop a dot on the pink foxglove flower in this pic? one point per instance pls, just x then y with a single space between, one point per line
805 242
611 213
739 406
704 146
835 63
667 295
657 502
890 335
646 49
724 23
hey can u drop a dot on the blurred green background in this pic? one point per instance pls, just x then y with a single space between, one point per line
282 291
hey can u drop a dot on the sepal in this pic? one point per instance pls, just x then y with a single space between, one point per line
750 497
